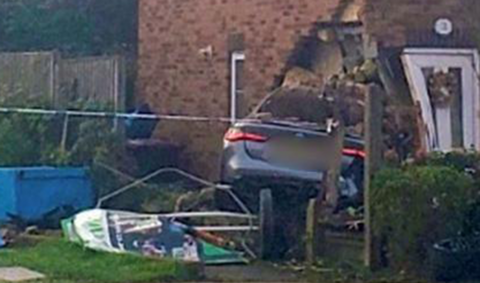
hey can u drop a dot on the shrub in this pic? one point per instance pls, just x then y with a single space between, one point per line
468 162
416 206
26 139
36 140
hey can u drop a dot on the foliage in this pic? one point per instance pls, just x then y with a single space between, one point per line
70 26
34 26
341 270
38 140
154 197
20 147
73 28
62 262
21 136
414 207
468 162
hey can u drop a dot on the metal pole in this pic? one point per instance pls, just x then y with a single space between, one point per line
63 143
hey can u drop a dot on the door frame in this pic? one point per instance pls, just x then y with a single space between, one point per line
236 56
414 59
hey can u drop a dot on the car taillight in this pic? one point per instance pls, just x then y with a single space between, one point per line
234 135
354 152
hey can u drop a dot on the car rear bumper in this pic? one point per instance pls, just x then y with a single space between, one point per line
239 166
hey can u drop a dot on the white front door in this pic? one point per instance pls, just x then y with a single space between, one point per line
445 84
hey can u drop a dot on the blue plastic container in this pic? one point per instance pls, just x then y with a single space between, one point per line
32 192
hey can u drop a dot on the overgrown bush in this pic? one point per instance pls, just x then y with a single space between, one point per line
40 140
468 162
72 27
414 207
25 140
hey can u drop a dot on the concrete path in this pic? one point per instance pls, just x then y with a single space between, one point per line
256 272
18 274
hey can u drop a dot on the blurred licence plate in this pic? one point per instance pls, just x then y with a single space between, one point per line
305 151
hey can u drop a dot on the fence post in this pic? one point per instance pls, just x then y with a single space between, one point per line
334 166
116 88
55 81
373 149
312 232
321 208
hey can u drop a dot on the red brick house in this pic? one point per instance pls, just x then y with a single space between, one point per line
197 56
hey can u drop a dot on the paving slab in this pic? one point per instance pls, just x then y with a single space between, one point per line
256 272
19 274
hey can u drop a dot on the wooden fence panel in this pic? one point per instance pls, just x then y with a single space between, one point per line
27 73
95 79
64 81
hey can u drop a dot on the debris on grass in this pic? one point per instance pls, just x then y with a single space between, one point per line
18 274
8 233
3 233
214 255
125 232
149 235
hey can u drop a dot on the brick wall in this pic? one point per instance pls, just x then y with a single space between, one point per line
394 23
176 79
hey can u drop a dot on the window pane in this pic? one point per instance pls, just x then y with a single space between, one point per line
457 108
239 75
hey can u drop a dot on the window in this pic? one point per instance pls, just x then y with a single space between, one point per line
237 108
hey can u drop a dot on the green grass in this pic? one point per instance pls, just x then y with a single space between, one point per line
65 262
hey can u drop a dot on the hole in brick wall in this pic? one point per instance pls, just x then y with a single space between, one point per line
303 54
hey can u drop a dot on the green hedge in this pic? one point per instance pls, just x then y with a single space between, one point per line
468 162
414 207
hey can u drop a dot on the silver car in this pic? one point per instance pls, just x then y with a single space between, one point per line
286 156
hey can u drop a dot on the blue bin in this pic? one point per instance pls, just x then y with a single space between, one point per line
32 192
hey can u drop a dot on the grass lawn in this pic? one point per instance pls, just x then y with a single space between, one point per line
64 262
